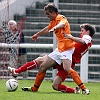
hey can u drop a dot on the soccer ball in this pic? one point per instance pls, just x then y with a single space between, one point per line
11 85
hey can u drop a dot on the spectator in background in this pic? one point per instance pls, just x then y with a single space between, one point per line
16 37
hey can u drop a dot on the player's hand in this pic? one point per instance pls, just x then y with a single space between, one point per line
34 37
67 35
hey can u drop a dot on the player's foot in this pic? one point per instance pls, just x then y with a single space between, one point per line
77 90
86 91
27 88
12 70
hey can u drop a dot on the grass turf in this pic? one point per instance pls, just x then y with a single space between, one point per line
47 93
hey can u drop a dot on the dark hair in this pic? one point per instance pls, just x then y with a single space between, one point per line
51 8
89 27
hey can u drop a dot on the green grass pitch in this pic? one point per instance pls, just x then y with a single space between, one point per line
47 93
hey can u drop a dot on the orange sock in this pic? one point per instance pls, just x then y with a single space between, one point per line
77 79
39 78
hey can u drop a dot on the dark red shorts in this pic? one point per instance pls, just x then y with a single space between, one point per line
61 72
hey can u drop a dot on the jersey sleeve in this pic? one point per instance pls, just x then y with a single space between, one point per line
60 19
50 26
87 39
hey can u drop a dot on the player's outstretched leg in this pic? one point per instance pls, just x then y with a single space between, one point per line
27 66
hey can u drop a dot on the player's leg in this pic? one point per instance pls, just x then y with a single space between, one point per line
60 77
74 75
41 74
67 67
78 81
42 71
27 66
50 61
57 83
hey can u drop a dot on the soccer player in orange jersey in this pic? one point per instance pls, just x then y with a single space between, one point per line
65 48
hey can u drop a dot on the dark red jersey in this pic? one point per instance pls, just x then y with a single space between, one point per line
80 50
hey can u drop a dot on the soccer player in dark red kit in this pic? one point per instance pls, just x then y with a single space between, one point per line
82 44
80 49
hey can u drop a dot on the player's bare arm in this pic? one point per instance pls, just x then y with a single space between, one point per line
60 25
76 39
43 31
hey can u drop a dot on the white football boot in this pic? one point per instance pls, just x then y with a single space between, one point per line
12 70
86 91
77 90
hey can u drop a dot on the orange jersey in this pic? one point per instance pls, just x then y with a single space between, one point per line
63 44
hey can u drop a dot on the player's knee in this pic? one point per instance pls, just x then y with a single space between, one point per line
42 68
55 86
